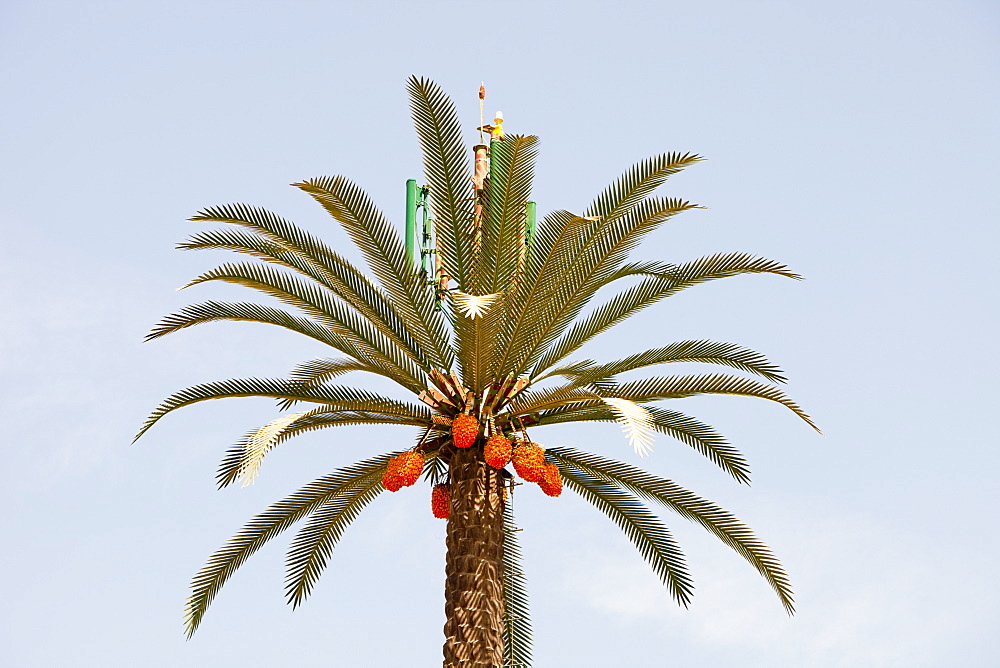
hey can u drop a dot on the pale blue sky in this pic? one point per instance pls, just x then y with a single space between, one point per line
855 141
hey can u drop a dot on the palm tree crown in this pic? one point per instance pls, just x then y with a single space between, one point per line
484 343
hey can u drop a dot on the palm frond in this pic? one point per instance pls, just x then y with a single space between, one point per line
600 260
516 614
676 387
684 428
559 237
265 526
317 259
557 240
371 343
383 250
321 370
595 263
650 291
314 543
334 273
234 462
338 397
702 438
270 226
642 527
435 468
720 522
633 269
470 340
536 401
637 183
591 262
448 173
253 242
571 370
709 352
477 321
212 311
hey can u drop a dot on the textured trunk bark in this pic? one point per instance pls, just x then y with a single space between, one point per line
473 590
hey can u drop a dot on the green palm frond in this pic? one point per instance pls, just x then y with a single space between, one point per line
517 620
571 370
250 242
318 372
508 189
321 370
212 311
234 462
599 260
265 526
337 397
652 290
435 468
676 387
536 401
722 265
384 252
642 179
448 174
336 274
709 352
269 226
308 255
371 342
314 543
723 524
559 237
633 269
587 265
702 438
686 429
557 240
642 527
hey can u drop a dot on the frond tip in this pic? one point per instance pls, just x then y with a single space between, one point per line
636 421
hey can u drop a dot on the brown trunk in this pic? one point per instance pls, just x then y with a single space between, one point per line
473 590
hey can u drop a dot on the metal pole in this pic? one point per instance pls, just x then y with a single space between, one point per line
426 249
411 223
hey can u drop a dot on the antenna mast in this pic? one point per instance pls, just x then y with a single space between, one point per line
420 247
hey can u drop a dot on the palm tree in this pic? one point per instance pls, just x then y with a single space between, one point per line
484 343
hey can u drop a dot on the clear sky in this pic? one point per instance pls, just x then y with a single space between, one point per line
855 141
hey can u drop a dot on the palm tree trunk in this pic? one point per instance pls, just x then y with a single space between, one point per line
473 587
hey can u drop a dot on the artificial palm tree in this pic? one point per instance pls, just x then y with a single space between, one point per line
483 341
